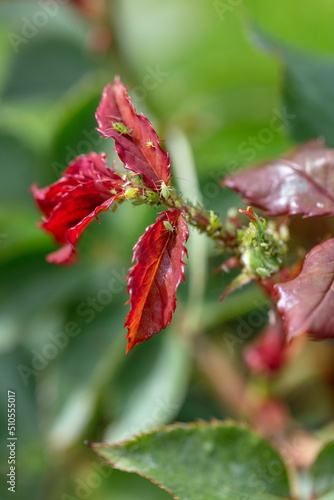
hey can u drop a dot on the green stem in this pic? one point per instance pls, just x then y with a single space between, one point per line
200 218
223 234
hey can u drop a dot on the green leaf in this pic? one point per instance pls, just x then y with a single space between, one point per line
127 487
295 25
46 68
308 90
322 472
309 97
203 461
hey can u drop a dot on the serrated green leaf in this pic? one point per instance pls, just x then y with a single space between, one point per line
322 472
203 461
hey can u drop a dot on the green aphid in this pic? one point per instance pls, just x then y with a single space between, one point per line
130 192
152 196
164 191
168 226
214 221
121 128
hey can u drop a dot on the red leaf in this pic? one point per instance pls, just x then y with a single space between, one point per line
136 141
153 281
307 302
86 188
300 183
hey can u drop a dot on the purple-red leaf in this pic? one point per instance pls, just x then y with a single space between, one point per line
136 141
302 182
307 302
154 279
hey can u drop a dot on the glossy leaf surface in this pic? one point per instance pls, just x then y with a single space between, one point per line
306 303
153 281
302 182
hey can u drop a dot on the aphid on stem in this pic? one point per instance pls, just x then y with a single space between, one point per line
152 196
130 192
164 191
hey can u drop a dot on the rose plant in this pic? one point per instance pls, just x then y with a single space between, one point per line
229 461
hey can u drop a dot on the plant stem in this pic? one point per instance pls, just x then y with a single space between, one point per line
198 217
223 234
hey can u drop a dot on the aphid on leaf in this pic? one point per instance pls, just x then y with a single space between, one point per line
168 226
150 144
121 128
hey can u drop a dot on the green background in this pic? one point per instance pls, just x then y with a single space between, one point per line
214 96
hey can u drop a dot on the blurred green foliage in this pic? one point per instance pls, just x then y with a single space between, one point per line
191 66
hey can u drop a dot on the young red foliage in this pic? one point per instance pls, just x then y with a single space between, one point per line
268 353
154 279
302 182
71 203
306 303
136 142
250 213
